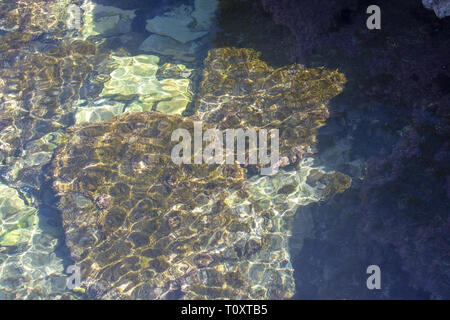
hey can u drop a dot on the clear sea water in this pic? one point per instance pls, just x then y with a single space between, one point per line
40 102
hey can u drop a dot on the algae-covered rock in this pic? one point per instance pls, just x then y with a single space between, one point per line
204 13
136 78
140 226
140 232
176 24
37 95
32 17
336 183
241 91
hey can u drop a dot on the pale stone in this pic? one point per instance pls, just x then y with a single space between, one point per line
98 113
134 78
105 20
169 47
175 106
15 238
175 24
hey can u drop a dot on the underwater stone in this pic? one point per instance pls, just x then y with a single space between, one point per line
105 20
135 77
441 7
146 227
204 13
169 47
38 92
241 91
28 241
152 227
99 113
33 17
176 25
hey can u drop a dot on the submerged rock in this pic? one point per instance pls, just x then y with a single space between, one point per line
37 92
141 227
17 218
175 32
102 112
136 77
241 91
151 227
169 47
176 24
441 7
204 13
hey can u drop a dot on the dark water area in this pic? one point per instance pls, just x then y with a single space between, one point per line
387 131
394 74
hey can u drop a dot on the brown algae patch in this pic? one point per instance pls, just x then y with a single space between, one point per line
140 226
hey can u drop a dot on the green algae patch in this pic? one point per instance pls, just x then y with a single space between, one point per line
141 216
